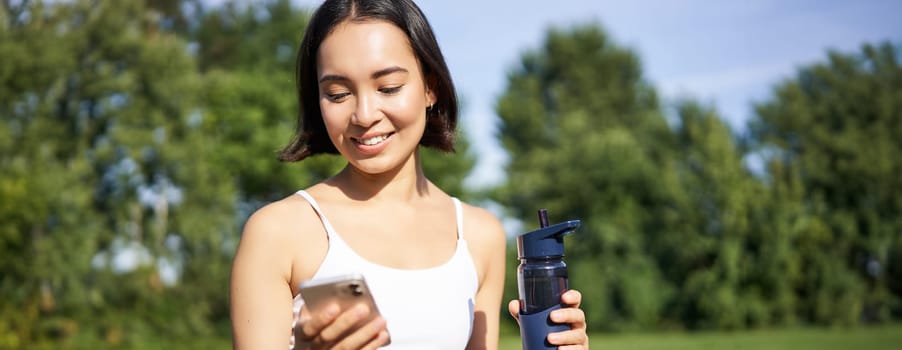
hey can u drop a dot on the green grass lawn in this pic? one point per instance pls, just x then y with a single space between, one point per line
887 337
861 338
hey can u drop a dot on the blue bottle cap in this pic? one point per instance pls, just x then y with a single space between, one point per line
545 242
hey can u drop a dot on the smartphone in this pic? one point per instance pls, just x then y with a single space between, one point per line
346 291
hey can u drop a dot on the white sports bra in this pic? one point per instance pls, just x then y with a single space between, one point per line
428 308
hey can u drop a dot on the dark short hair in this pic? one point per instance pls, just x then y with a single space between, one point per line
310 136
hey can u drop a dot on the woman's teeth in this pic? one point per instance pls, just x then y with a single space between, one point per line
374 140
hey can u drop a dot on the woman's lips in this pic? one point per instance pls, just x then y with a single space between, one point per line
372 141
372 144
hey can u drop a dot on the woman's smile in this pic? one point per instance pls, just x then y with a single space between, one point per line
372 145
372 141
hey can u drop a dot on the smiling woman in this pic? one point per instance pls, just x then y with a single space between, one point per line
373 95
373 87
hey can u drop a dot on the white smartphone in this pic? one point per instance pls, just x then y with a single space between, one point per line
346 291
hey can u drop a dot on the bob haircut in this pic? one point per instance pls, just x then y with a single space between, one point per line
310 136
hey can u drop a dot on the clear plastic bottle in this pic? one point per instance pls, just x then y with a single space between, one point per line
541 280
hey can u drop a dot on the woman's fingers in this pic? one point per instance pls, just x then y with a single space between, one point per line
576 337
571 315
344 323
312 325
572 298
382 339
573 347
570 337
371 335
334 330
514 308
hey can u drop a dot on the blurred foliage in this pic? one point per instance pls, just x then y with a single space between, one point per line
834 136
105 180
137 136
678 232
587 140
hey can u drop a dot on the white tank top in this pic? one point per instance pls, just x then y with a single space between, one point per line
428 308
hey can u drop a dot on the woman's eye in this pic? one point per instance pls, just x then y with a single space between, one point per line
390 90
337 97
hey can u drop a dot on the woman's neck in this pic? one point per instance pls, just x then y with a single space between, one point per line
403 183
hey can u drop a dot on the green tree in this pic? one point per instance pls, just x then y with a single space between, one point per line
106 166
833 135
587 140
678 233
246 53
715 252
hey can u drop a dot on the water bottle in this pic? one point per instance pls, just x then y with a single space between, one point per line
542 279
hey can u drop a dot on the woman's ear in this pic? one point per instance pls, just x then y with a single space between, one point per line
430 92
430 98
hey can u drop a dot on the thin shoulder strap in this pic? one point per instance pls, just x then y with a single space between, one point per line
322 217
459 212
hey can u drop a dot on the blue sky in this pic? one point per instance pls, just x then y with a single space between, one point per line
724 53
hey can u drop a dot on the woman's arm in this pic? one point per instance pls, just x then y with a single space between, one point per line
486 239
260 293
279 240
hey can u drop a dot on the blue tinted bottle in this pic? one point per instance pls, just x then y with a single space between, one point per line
541 280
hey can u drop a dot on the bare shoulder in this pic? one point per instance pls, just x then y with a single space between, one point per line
281 220
282 231
269 261
487 243
483 231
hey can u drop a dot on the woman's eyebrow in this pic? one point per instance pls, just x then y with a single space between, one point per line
377 74
332 77
387 71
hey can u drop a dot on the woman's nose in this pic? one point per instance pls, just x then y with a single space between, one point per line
367 112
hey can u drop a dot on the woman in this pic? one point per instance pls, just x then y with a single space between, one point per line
373 87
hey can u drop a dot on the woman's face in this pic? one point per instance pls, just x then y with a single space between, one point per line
372 94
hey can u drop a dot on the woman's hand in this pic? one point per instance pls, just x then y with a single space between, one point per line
576 337
333 329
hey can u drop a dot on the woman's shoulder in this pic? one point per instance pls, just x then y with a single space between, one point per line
482 228
486 241
285 221
479 215
286 232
